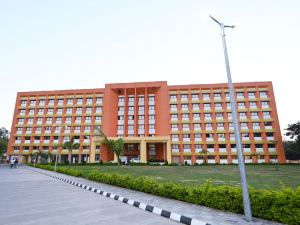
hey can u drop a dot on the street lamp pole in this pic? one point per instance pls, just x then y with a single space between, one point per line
246 199
56 155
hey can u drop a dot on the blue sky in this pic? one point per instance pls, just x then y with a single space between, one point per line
48 45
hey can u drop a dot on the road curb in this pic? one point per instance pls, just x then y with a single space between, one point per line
152 209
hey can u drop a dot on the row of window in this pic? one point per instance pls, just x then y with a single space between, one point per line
56 129
62 101
220 135
76 110
218 146
38 138
151 98
205 106
140 117
46 148
220 125
76 119
140 108
140 126
210 116
184 97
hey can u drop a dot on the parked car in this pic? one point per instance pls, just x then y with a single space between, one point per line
135 160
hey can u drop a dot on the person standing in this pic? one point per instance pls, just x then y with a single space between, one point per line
12 162
16 162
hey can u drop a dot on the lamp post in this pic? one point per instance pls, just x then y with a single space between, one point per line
56 155
246 199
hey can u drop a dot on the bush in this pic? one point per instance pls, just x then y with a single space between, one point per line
72 172
282 206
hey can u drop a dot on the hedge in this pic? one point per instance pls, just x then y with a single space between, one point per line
282 205
72 172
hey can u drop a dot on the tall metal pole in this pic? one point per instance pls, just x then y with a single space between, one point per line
246 199
55 160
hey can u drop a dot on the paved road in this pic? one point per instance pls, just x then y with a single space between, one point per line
28 197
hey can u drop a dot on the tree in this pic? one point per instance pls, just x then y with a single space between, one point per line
70 145
293 131
114 145
3 140
292 147
204 153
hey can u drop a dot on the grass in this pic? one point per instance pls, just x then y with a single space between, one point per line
259 176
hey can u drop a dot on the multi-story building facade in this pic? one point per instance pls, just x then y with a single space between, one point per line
179 123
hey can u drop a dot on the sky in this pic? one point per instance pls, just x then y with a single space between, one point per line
70 44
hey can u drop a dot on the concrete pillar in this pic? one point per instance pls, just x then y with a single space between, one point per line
143 151
115 158
93 150
169 152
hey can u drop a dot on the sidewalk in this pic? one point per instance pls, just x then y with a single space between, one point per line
28 197
211 216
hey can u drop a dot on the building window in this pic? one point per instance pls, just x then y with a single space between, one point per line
242 114
263 94
244 125
151 117
195 106
207 115
196 116
121 99
240 94
206 106
89 100
151 98
218 105
217 95
173 97
151 126
131 99
251 94
205 96
185 126
221 135
254 114
185 116
184 97
197 126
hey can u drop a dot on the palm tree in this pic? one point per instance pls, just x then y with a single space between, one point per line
114 145
204 152
70 145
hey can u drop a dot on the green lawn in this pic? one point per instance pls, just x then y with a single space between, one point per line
259 176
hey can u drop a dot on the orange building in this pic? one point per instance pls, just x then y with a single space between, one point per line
181 123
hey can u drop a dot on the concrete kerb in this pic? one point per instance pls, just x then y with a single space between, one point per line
152 209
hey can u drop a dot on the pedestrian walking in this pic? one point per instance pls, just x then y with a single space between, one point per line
16 162
12 162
